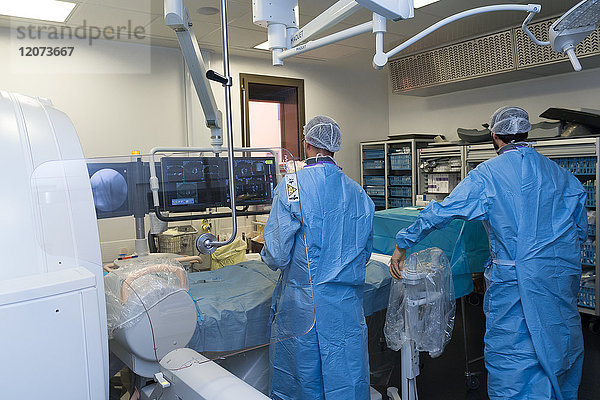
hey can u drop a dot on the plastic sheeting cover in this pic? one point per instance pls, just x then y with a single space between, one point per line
422 305
138 286
234 303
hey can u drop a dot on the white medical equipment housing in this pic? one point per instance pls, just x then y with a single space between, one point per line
53 338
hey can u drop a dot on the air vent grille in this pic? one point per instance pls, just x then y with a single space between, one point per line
530 55
509 51
461 61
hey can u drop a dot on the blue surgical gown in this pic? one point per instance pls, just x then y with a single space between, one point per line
535 214
318 328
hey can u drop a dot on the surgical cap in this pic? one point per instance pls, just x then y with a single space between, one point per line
323 132
510 121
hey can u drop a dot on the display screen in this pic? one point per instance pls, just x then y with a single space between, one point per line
195 184
111 189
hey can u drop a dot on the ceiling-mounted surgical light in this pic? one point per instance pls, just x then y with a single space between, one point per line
46 10
570 29
574 26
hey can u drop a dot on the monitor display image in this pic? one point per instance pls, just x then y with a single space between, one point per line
198 183
111 189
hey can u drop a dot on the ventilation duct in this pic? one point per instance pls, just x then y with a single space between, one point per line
502 57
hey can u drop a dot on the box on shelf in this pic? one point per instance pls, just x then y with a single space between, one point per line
424 199
442 183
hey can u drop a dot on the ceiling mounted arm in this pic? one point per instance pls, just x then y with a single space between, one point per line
381 58
177 18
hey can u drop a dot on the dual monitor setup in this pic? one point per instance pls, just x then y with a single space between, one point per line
188 184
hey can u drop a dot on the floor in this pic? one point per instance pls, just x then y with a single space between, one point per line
443 377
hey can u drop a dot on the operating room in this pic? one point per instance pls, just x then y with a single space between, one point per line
367 145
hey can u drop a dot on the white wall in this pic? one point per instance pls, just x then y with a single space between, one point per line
470 108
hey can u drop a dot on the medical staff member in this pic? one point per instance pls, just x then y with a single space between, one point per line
321 240
535 214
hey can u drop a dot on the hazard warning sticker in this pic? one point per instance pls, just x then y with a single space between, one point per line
291 185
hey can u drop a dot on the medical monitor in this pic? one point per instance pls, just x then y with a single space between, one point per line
198 183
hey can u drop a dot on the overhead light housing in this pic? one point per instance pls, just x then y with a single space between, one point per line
263 46
45 10
423 3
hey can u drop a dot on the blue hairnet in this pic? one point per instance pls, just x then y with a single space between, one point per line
323 132
510 121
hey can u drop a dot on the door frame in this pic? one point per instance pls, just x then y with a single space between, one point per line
246 79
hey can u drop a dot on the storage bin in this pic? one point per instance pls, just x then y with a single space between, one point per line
396 202
378 201
374 180
400 161
375 190
401 191
400 180
588 254
578 165
587 297
373 154
591 194
374 164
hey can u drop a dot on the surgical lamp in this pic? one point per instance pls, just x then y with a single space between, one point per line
570 29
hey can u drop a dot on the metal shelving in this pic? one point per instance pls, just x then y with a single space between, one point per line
445 164
388 171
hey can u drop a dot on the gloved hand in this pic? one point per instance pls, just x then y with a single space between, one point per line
397 262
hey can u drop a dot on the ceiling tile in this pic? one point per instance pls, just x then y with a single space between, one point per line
103 16
238 37
245 21
131 5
